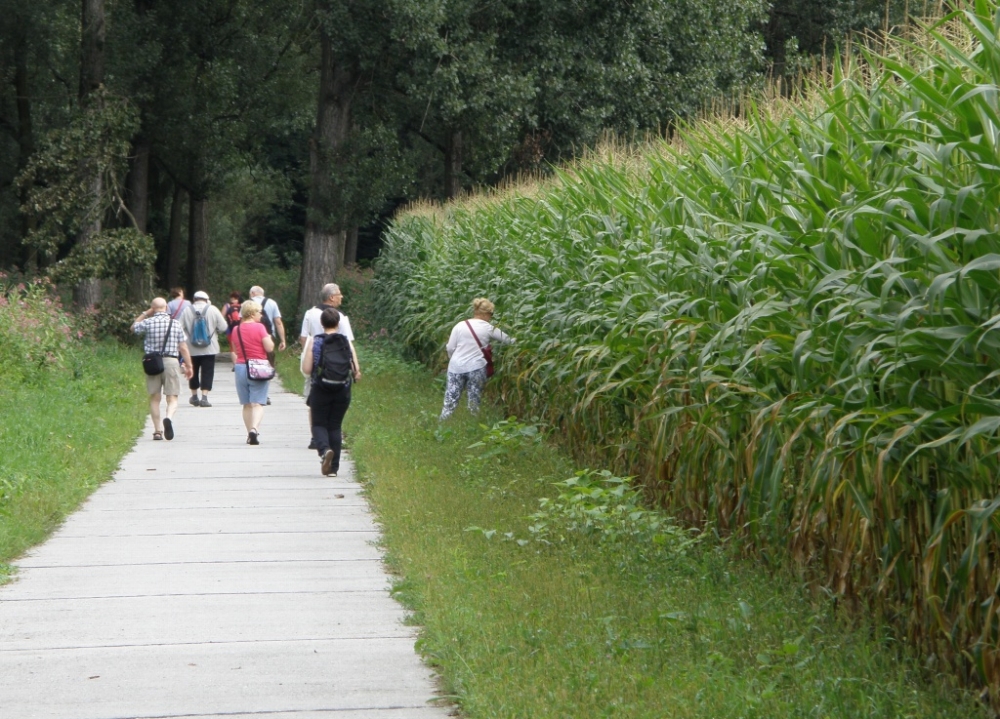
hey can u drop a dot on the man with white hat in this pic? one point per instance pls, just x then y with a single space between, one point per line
202 322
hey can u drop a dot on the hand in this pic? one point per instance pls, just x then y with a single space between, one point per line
281 345
357 375
188 371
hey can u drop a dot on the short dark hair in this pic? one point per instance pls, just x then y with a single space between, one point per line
330 318
176 292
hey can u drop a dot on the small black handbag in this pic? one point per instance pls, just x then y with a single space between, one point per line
152 362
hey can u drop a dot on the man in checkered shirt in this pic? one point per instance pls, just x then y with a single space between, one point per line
155 323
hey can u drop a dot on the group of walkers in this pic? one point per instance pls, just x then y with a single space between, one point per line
181 337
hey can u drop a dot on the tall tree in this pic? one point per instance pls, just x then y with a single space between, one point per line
87 292
323 244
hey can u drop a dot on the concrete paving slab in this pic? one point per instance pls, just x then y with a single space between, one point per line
213 578
141 495
321 517
200 618
76 582
216 547
215 679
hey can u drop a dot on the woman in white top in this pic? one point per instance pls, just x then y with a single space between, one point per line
467 364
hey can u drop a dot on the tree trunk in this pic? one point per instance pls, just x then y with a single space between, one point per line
453 165
26 143
323 245
176 237
139 283
88 292
351 247
92 56
197 264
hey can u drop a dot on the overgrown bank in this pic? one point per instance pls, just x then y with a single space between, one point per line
584 624
70 408
786 326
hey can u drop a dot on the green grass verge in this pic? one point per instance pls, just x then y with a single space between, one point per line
577 629
60 438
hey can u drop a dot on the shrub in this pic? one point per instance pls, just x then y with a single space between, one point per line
36 335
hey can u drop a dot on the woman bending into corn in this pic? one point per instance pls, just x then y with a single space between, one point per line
471 357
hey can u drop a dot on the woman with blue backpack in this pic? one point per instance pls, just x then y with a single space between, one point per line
329 360
202 322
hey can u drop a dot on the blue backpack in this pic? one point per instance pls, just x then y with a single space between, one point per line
200 336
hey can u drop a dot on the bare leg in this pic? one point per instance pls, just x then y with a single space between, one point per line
154 412
171 405
257 415
248 416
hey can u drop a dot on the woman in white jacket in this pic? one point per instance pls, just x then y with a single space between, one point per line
467 363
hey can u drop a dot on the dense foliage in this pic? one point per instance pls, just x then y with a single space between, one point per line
241 136
785 327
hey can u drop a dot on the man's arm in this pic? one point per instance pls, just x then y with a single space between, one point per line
280 326
135 323
188 369
357 367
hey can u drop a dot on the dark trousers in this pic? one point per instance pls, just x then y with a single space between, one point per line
327 408
204 367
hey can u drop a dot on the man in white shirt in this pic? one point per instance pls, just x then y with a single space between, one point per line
273 312
331 296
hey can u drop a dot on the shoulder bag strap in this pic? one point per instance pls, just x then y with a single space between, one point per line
474 335
179 308
170 325
239 336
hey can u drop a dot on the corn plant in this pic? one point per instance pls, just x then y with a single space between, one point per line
786 326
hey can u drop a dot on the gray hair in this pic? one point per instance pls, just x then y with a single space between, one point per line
329 290
256 290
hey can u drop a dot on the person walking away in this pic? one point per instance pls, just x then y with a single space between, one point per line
162 334
330 296
232 314
271 315
329 361
177 302
231 311
467 361
271 319
250 340
202 323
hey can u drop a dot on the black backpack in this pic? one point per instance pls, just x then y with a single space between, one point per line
336 361
265 320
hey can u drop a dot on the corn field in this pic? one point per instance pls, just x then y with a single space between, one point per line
787 325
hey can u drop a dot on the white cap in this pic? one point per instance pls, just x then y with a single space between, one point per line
201 295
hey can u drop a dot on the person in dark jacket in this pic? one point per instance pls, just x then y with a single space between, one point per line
328 403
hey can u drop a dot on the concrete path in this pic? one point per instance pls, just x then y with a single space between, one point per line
211 578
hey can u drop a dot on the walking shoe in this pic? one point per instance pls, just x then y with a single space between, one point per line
268 401
157 435
168 429
194 400
252 437
312 444
204 402
328 463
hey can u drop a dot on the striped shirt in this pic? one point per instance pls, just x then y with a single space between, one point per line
155 329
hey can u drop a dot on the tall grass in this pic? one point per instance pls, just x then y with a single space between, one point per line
786 325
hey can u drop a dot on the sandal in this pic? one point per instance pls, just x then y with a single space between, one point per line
157 435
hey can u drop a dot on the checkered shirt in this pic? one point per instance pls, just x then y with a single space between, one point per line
155 328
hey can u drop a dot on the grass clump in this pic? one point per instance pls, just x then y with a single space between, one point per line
593 617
